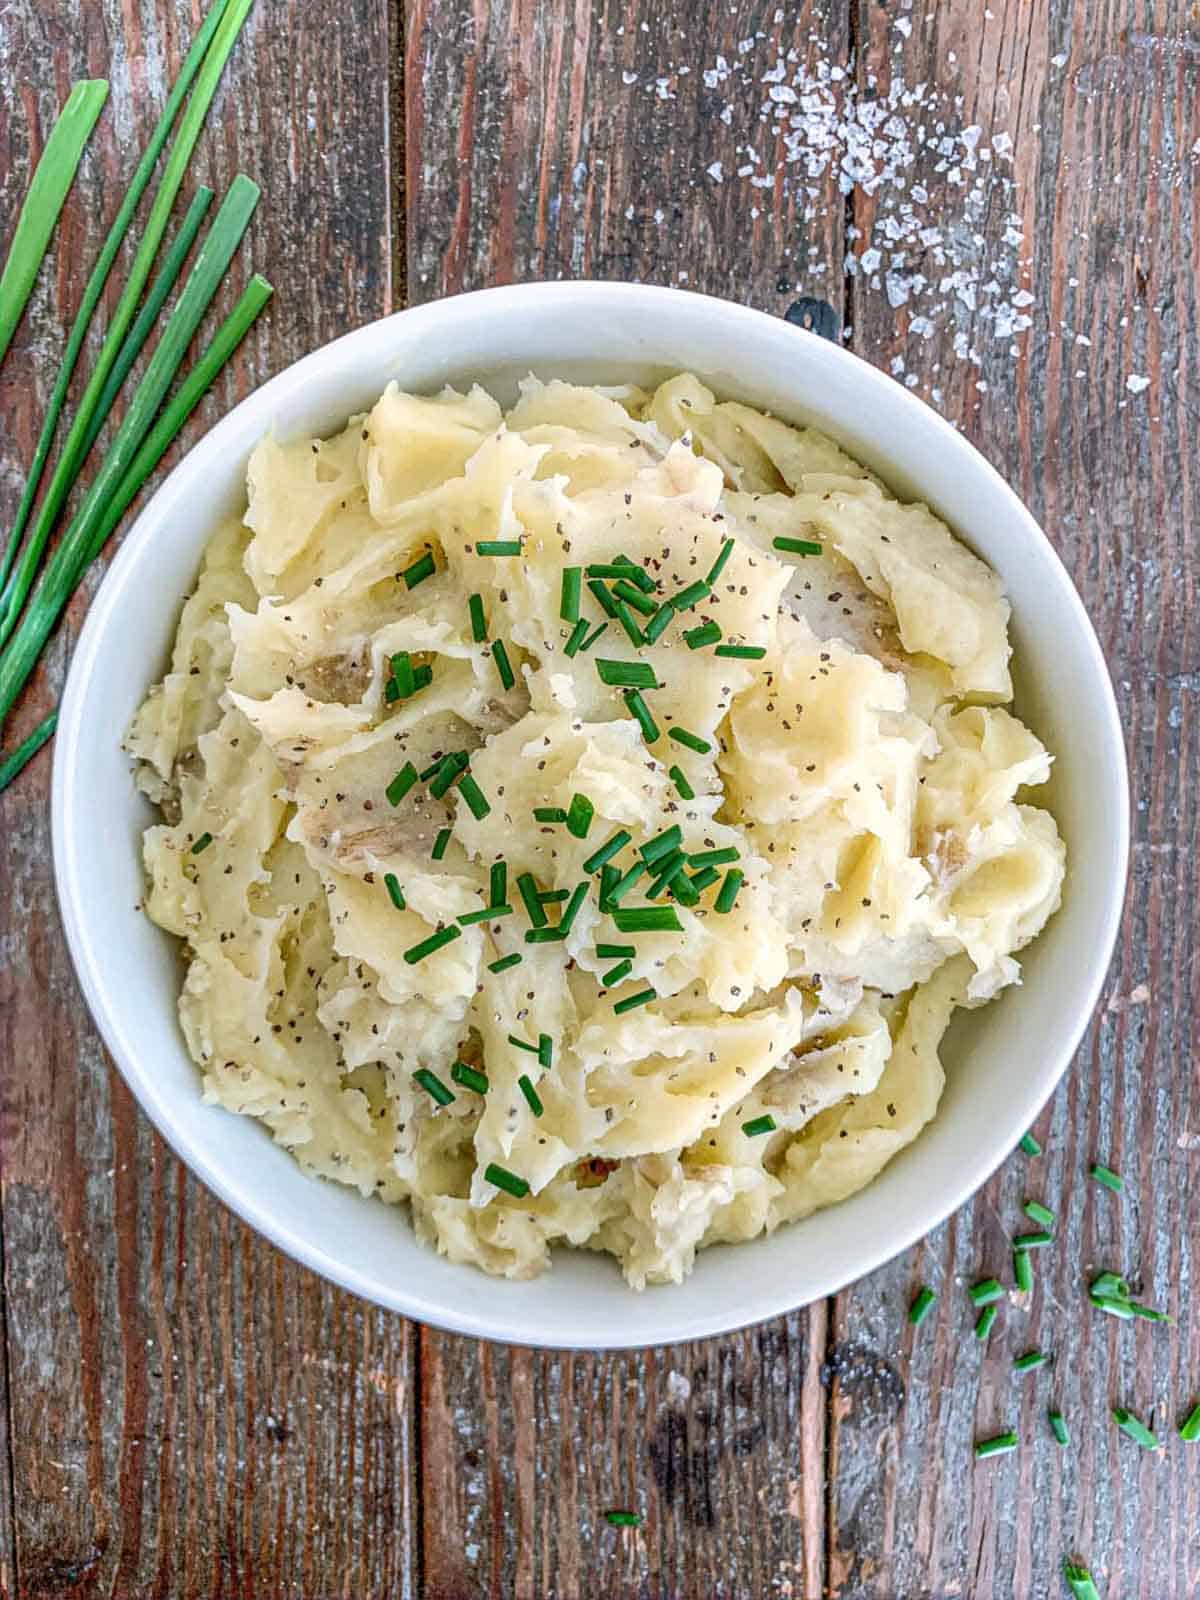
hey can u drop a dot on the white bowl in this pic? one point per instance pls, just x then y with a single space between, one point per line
1003 1061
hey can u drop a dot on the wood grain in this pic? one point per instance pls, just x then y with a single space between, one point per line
193 1414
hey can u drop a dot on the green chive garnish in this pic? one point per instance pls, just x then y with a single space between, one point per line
643 997
571 909
688 597
477 802
488 914
615 952
623 1519
741 652
984 1325
662 844
633 596
202 844
647 919
592 637
1189 1428
679 779
758 1125
549 814
448 769
1147 1313
727 897
607 851
693 741
605 600
578 634
420 570
1105 1175
622 886
1001 1444
1109 1285
1080 1581
1023 1270
402 673
440 843
498 547
468 1077
1113 1307
714 858
434 942
629 570
659 622
503 665
528 890
508 1181
505 962
522 1044
797 547
1033 1241
683 891
1037 1212
1058 1426
478 620
667 868
629 622
392 883
706 633
545 1051
401 784
702 879
1030 1360
1030 1145
552 897
639 709
718 566
921 1306
616 974
984 1292
579 816
1134 1428
532 1099
554 935
433 1085
572 591
626 674
498 883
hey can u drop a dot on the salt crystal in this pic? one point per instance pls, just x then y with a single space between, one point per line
716 172
1136 384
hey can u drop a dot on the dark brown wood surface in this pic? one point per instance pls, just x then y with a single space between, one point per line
188 1413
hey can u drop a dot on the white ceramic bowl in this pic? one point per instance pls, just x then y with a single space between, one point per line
1003 1061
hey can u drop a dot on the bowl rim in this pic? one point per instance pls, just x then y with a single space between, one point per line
68 786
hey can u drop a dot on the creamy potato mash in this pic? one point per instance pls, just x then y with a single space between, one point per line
583 820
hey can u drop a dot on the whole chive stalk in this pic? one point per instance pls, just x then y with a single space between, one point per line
1031 1360
508 1181
1134 1428
606 852
423 567
14 764
985 1292
797 547
758 1126
922 1305
1058 1426
1079 1580
679 778
727 897
1023 1270
434 1086
719 565
1189 1428
503 665
395 892
469 1077
706 633
1030 1145
1001 1444
401 784
643 997
436 941
532 1098
1037 1212
741 652
626 674
579 816
572 591
692 741
528 890
478 620
498 547
986 1321
505 962
1105 1175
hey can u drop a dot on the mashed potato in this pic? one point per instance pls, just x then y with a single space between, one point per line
584 820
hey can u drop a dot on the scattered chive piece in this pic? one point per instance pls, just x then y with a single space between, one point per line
532 1099
440 843
741 652
718 566
702 879
579 816
1058 1426
549 814
714 858
706 633
1033 1241
1037 1212
616 974
662 844
623 1519
434 942
401 783
1080 1581
434 766
626 674
1105 1175
609 878
668 869
391 691
729 890
1030 1360
629 570
420 570
607 851
1030 1145
552 897
433 1085
797 547
477 802
1109 1285
545 1050
593 636
641 711
633 596
679 779
693 741
545 936
1134 1428
757 1125
622 886
985 1292
578 634
615 952
659 622
1001 1444
469 1077
571 909
470 918
572 591
984 1325
508 1181
1189 1428
1023 1270
1114 1307
422 677
522 1044
447 772
392 883
921 1306
643 997
1147 1313
606 602
503 664
647 919
505 962
498 547
688 597
528 890
629 622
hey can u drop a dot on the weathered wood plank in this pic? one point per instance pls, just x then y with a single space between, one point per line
193 1414
1103 110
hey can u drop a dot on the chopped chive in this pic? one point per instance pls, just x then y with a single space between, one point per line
1080 1581
681 889
554 935
571 909
623 1519
1189 1428
1105 1175
488 914
921 1307
508 1181
434 766
552 897
757 1125
688 597
643 997
679 779
718 566
422 678
549 814
606 601
392 883
797 547
523 1044
1113 1307
1023 1270
693 741
579 816
622 886
1147 1313
578 634
659 622
503 665
987 1319
528 890
1030 1145
391 691
401 784
629 622
572 591
592 637
727 898
1033 1241
607 851
1109 1285
984 1292
532 1099
505 962
434 942
202 844
702 879
469 1077
741 652
662 844
478 620
1037 1212
647 919
667 869
641 711
628 570
440 843
448 769
633 596
477 802
626 674
1134 1428
498 547
1058 1426
1001 1444
545 1051
609 878
615 952
424 568
434 1086
1031 1360
706 633
616 974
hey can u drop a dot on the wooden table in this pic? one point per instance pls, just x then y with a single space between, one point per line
188 1412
